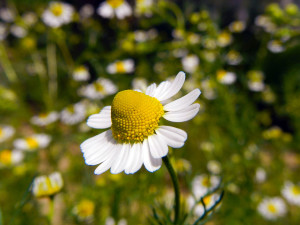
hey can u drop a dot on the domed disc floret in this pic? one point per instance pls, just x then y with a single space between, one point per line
134 116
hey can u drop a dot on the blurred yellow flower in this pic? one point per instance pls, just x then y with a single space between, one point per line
84 210
47 185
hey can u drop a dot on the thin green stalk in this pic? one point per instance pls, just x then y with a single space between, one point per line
66 54
51 210
176 188
5 63
52 71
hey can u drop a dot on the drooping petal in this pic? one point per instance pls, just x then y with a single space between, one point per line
151 164
151 89
96 149
101 120
158 147
182 115
139 159
173 137
134 159
173 88
107 163
183 102
131 158
121 160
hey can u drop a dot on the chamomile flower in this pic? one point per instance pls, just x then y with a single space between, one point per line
272 208
275 46
44 119
237 26
32 142
81 73
101 88
260 175
255 82
121 66
18 31
58 14
73 114
10 157
291 193
202 184
224 39
135 136
112 8
47 185
214 167
197 206
233 58
7 15
226 77
190 63
84 210
143 7
6 132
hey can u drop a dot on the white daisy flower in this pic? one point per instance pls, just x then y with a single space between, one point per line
121 66
139 84
111 8
143 36
6 132
111 221
143 7
7 15
81 73
233 58
214 167
18 31
226 77
255 82
32 142
237 26
275 46
224 39
44 119
86 11
272 208
29 18
197 206
99 89
47 185
58 14
260 175
135 137
10 157
190 63
203 184
291 193
266 23
73 114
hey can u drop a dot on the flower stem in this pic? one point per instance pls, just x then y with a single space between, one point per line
176 188
5 63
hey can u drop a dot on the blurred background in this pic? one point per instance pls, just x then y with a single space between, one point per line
61 62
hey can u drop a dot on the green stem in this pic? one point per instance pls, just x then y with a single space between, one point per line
66 54
51 210
176 188
5 63
52 71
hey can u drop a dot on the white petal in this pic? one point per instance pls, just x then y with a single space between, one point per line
131 158
162 88
151 164
158 147
174 137
120 162
101 120
97 149
105 10
173 88
139 159
151 89
106 164
182 115
183 102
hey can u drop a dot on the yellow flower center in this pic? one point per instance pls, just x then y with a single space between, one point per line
206 182
80 69
5 157
1 132
296 190
99 87
120 68
56 9
134 116
46 187
221 74
115 3
207 200
272 208
32 142
85 208
43 115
